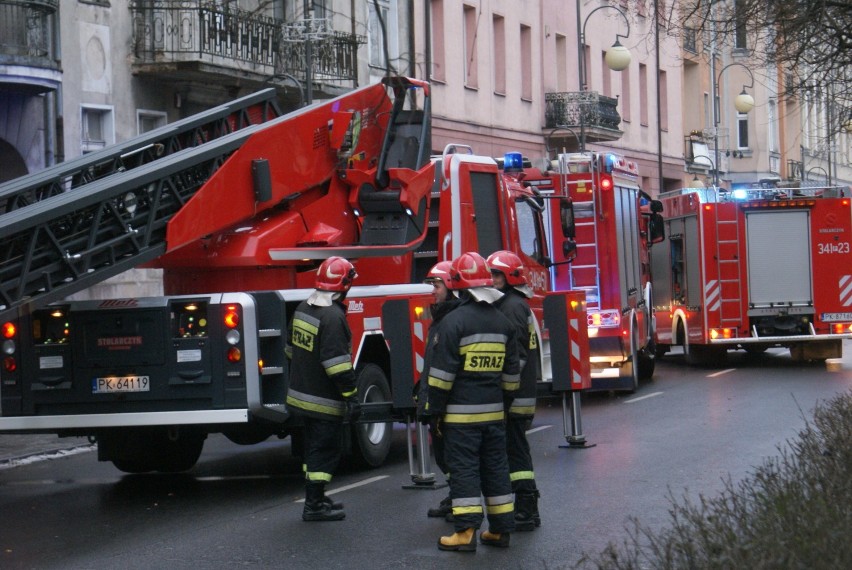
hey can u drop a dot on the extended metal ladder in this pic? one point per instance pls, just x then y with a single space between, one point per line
585 274
728 264
81 222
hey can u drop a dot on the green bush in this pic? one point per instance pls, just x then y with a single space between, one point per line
794 511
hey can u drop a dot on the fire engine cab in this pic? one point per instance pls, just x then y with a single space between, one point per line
754 269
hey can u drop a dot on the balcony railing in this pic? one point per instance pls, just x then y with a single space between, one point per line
595 114
26 32
181 31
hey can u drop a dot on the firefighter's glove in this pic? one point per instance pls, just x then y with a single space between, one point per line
353 410
435 426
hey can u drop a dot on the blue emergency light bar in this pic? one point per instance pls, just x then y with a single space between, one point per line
513 161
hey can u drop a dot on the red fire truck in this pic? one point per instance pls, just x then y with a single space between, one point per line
238 206
615 224
753 269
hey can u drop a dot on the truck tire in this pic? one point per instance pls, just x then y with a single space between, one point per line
633 379
647 363
371 442
705 355
143 450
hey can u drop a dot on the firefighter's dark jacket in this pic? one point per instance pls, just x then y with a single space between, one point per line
514 305
474 365
321 373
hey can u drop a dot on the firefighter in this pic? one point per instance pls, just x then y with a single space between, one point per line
510 278
323 389
439 278
474 368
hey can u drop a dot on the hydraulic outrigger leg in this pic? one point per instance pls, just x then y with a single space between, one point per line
571 414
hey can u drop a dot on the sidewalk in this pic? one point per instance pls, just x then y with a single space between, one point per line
16 448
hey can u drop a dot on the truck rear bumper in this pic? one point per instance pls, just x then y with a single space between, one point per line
85 421
781 340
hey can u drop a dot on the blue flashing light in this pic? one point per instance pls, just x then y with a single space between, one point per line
739 194
513 161
611 159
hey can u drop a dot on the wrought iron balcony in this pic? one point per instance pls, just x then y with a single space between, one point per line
203 42
27 40
588 112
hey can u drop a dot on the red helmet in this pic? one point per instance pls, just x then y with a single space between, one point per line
509 265
469 270
335 274
439 272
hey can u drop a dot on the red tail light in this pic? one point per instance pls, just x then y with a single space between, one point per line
234 354
9 330
10 364
606 184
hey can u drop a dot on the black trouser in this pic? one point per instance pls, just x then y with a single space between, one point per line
438 451
476 458
322 449
518 451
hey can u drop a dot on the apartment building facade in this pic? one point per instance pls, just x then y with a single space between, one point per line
508 75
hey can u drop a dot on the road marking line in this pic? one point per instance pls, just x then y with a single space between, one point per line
645 397
719 373
352 486
533 430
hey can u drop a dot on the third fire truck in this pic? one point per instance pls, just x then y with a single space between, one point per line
754 269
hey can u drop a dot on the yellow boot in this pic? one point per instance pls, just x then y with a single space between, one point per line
492 539
462 541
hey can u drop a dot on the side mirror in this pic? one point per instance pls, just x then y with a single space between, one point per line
566 217
656 228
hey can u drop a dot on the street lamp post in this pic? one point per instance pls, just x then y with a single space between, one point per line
812 168
742 102
696 182
286 76
617 57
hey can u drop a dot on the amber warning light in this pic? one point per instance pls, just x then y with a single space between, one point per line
232 317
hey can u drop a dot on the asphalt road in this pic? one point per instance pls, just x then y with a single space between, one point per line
681 434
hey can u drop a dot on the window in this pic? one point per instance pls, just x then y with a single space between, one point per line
438 72
526 63
690 40
471 60
643 94
561 63
499 25
625 95
97 128
773 125
378 30
320 9
742 130
664 101
529 230
149 120
606 83
741 25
